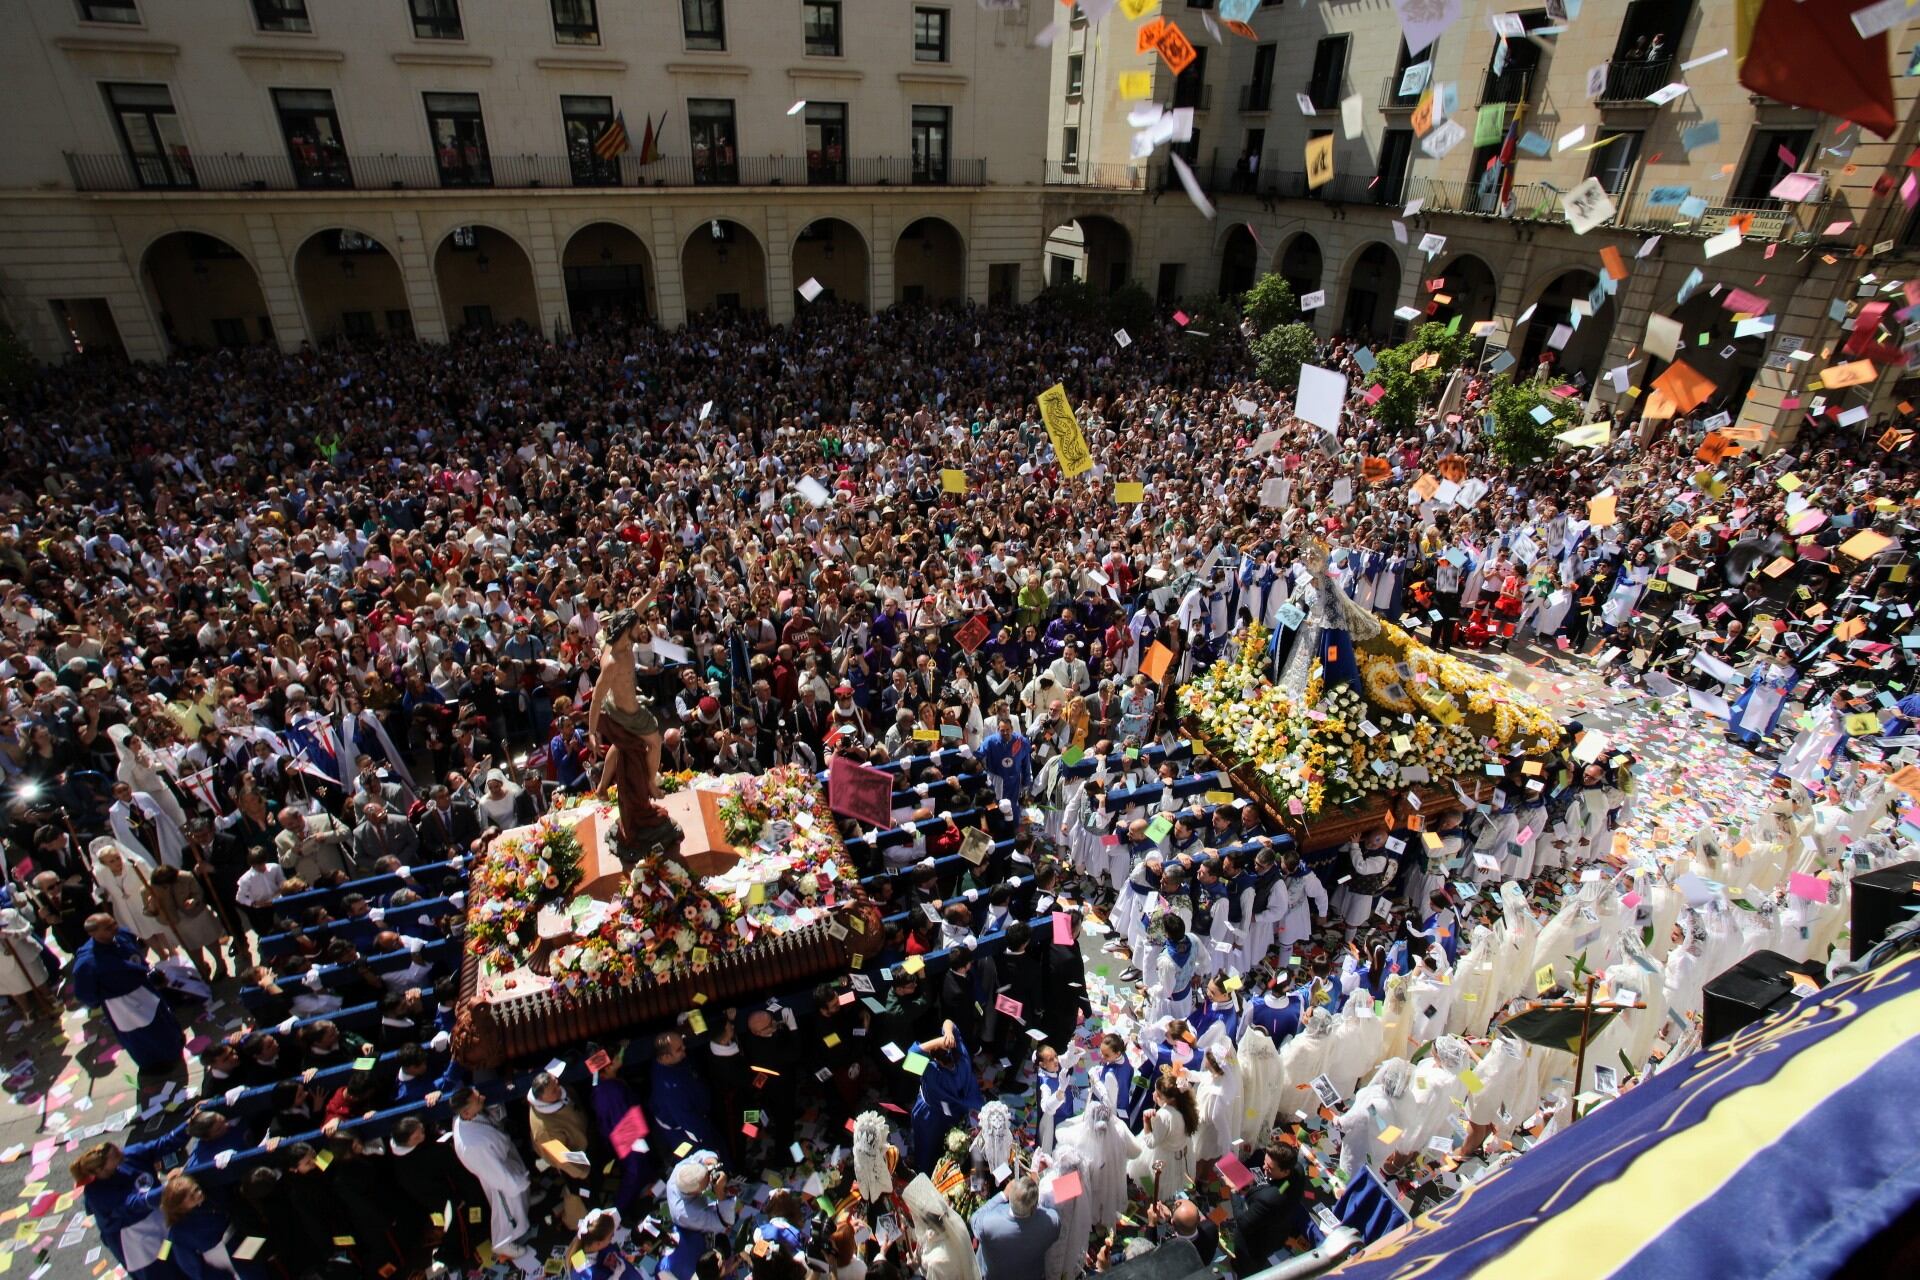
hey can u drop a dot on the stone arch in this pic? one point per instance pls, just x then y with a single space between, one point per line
834 253
1301 264
1553 306
351 286
204 291
485 277
1239 260
930 262
1370 291
1471 288
1098 247
723 266
607 269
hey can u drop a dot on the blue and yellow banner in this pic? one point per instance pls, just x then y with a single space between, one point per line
1774 1154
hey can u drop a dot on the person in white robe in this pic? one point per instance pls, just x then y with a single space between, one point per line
122 875
1385 1104
1507 1090
1396 1030
1165 1164
946 1247
1067 1258
1261 1082
133 813
1305 898
1356 1044
486 1152
1218 1097
1475 980
144 770
23 967
1430 997
1105 1146
1437 1092
1302 1058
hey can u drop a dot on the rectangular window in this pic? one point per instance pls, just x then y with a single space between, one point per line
357 324
1514 71
124 12
1329 70
1260 85
477 315
705 22
1076 71
585 121
150 134
436 19
929 35
820 24
1070 146
716 157
826 142
1765 166
1190 86
459 139
281 15
315 146
1612 161
230 331
576 22
1404 90
932 127
1396 150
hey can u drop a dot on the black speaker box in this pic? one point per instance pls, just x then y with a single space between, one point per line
1880 901
1751 990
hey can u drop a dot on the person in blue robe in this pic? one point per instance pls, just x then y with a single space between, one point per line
1009 764
1220 1008
121 1189
110 973
1757 710
1277 1013
1112 1074
949 1095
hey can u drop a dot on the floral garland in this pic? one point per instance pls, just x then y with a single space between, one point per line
791 877
525 868
1334 746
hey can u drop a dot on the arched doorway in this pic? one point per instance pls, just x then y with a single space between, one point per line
485 278
723 268
1091 248
834 254
1239 261
351 287
1578 359
929 263
1469 289
1300 265
1373 285
606 268
205 292
1731 363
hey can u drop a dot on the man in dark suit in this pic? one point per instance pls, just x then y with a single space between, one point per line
1184 1221
1270 1210
1066 989
447 827
382 834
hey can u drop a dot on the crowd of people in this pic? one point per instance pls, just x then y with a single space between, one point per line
287 639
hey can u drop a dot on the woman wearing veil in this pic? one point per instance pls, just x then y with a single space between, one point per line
1301 1059
1386 1104
1261 1083
1332 623
1067 1257
1357 1041
143 770
946 1249
1105 1145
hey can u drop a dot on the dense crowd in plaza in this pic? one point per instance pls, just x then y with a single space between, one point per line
287 640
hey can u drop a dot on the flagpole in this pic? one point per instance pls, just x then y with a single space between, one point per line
1580 1059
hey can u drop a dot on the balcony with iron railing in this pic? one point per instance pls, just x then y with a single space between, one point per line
1539 202
1116 177
1391 99
116 172
1256 97
1630 80
1510 86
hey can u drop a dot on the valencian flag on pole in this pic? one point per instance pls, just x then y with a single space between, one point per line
1784 1151
650 140
613 139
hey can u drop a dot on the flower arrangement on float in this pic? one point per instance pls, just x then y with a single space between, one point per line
792 875
525 868
1335 745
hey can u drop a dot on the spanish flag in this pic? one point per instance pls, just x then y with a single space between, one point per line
613 139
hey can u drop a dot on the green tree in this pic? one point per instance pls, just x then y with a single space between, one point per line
1270 303
1129 307
1453 348
1279 353
1518 435
1405 391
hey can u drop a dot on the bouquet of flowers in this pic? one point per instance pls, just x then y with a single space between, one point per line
524 869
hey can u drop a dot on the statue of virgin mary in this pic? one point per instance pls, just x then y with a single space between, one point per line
1327 634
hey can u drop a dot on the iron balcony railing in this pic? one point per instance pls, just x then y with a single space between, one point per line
1632 79
1540 202
117 172
1118 177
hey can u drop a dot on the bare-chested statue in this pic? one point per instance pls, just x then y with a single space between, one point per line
618 721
